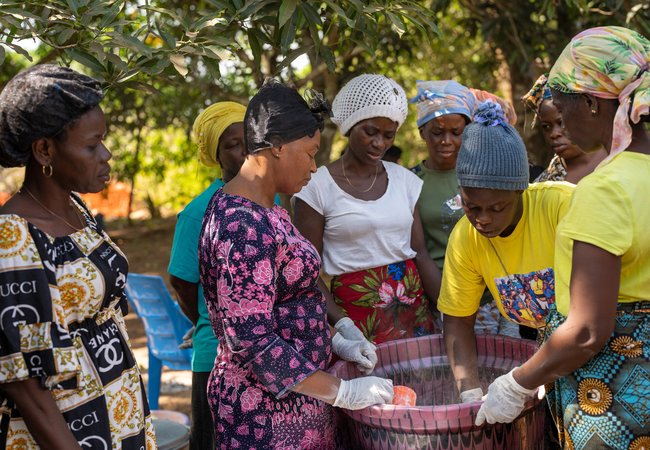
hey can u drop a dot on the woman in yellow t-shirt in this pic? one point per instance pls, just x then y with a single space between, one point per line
444 108
597 356
503 242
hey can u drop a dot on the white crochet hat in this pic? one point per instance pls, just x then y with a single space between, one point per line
368 96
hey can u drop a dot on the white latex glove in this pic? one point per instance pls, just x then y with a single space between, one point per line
472 395
360 393
504 401
361 352
349 330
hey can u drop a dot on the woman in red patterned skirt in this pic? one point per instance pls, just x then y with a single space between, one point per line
359 212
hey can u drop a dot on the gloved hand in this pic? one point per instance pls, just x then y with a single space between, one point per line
360 393
504 401
349 330
472 395
361 352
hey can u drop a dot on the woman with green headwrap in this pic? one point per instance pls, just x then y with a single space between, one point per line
597 352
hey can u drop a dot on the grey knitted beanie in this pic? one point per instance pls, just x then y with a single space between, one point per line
492 154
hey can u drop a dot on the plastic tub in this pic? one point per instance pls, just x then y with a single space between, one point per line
438 421
172 429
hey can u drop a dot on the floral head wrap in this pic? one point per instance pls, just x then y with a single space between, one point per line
611 63
537 94
506 106
440 98
210 125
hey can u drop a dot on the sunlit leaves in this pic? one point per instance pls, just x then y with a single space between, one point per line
179 63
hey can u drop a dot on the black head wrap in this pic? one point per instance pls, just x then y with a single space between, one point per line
277 115
40 102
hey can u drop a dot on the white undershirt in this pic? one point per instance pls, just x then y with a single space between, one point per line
361 234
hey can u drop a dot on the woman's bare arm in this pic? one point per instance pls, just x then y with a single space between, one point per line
595 280
41 415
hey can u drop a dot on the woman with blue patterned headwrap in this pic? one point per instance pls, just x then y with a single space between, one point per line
570 163
444 108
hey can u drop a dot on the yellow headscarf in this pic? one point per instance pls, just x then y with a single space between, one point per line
612 63
210 125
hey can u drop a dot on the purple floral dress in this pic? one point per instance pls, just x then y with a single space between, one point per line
260 278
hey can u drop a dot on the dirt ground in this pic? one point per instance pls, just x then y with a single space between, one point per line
147 245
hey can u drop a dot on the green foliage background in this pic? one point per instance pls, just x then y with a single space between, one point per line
163 61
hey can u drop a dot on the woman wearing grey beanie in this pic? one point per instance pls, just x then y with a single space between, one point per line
444 108
504 242
69 379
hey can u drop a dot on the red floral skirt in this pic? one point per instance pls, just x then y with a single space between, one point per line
386 302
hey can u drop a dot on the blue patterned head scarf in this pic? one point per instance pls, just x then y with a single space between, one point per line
440 98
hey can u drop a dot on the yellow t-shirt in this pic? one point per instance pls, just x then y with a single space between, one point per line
537 285
471 263
610 210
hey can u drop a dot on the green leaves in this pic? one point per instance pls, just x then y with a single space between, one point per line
85 59
127 40
397 23
287 8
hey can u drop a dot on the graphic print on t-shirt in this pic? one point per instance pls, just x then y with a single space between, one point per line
526 297
452 211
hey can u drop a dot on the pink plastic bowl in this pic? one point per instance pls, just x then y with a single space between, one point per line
438 421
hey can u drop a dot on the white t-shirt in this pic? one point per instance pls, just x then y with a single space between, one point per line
361 234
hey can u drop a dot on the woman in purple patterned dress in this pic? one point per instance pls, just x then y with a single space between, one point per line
268 388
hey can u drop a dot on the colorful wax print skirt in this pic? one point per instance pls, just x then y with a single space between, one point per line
606 403
386 302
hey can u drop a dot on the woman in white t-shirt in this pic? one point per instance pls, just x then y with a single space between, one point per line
359 211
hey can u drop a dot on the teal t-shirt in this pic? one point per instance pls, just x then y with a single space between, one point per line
184 264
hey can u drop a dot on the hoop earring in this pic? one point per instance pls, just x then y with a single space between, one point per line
47 170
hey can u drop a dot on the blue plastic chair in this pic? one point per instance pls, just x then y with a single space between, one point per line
165 325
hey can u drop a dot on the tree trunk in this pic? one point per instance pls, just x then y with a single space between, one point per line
514 84
134 173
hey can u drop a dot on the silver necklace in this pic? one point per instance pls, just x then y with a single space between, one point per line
503 266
